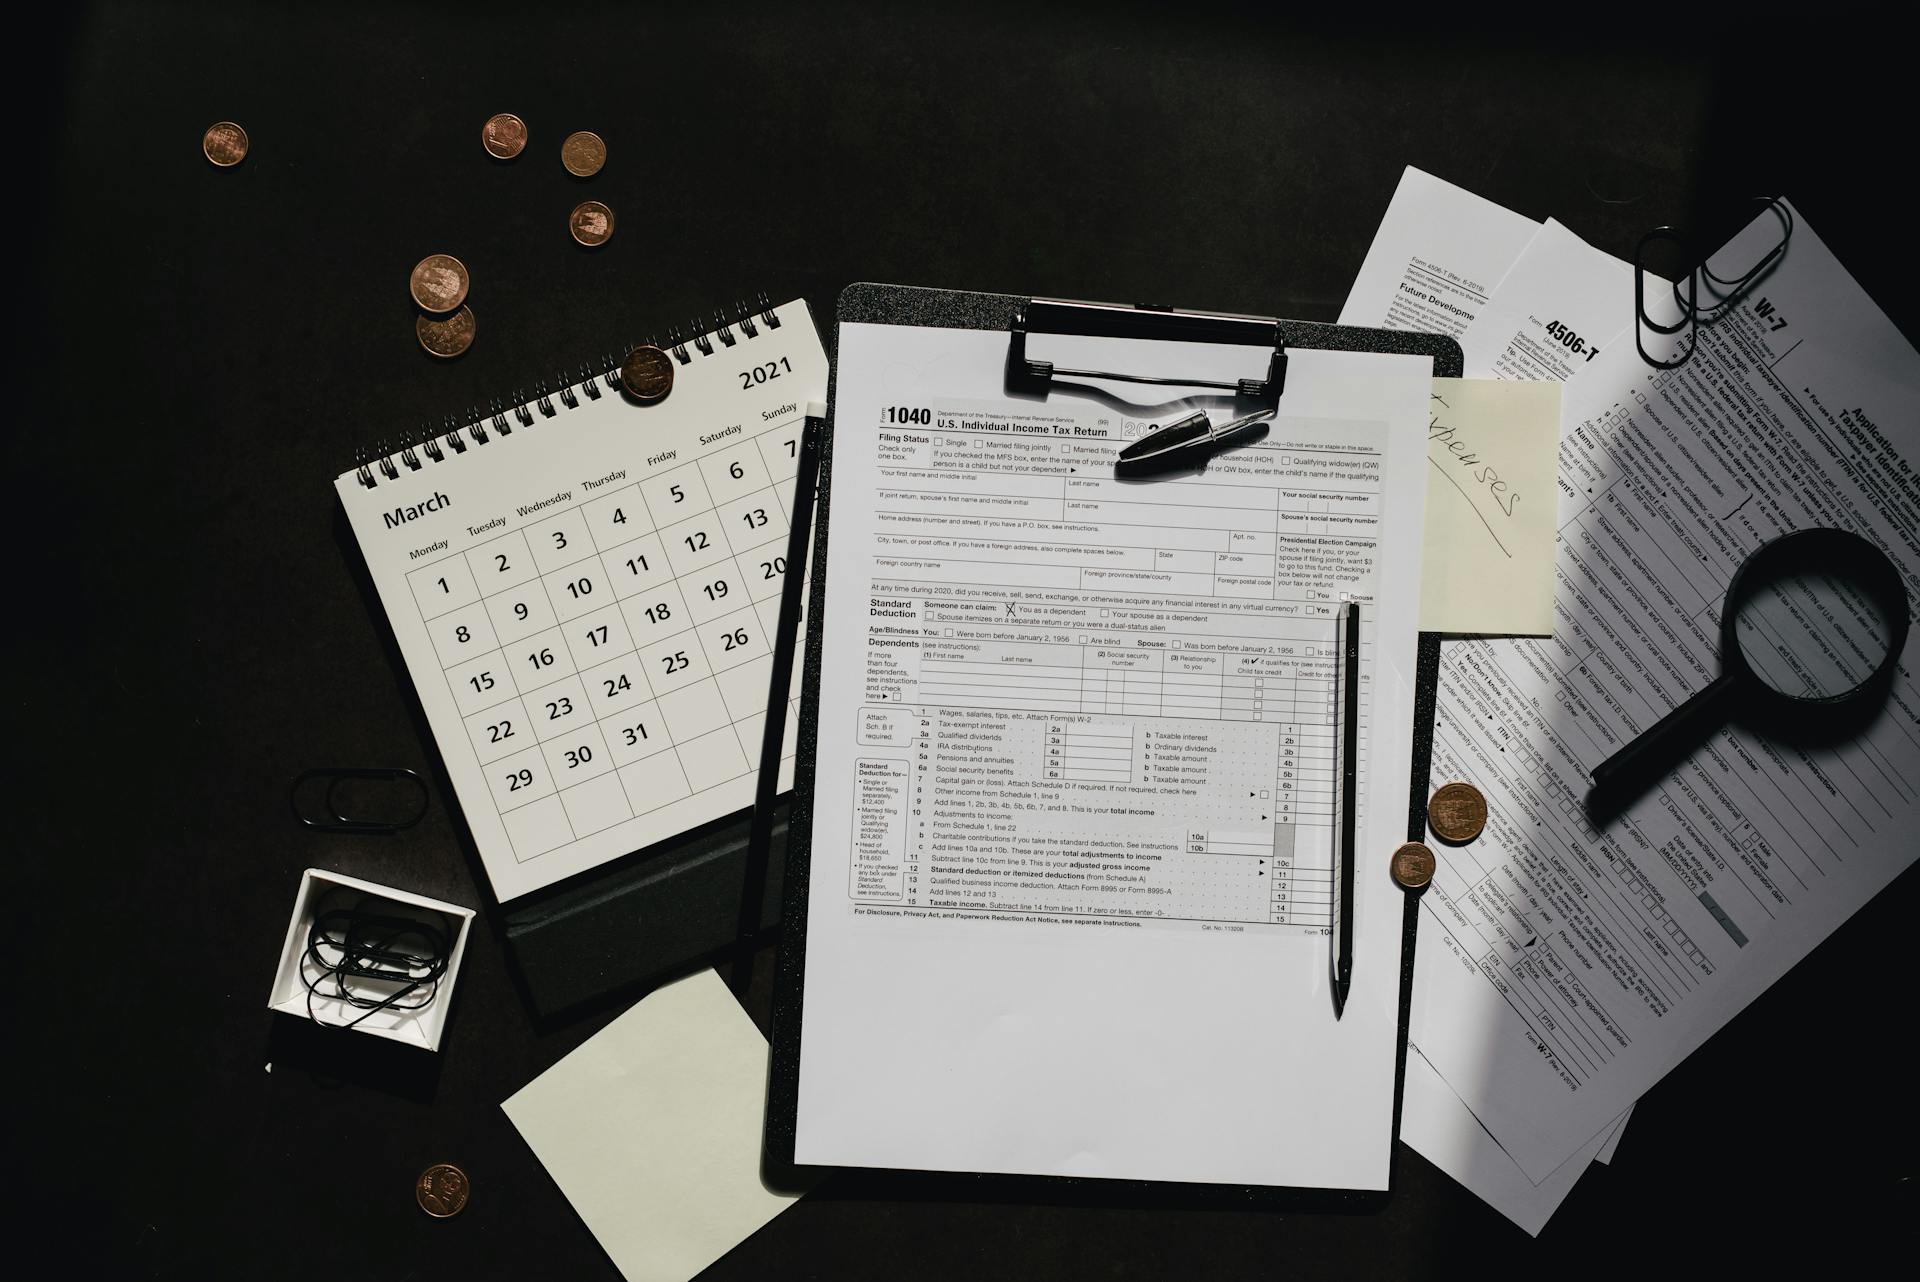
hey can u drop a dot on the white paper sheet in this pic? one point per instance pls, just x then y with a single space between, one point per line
1446 1133
1433 222
1560 303
1556 307
1433 266
1611 1144
1438 254
652 1130
1070 884
1564 970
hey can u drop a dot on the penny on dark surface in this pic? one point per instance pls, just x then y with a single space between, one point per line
647 374
438 283
583 154
225 144
1413 865
445 337
591 223
504 136
1457 812
442 1190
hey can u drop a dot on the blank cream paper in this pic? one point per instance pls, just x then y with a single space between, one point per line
652 1130
1487 562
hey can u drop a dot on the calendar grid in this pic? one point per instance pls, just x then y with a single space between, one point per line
689 733
574 664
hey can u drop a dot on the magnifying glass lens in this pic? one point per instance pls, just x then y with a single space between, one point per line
1812 633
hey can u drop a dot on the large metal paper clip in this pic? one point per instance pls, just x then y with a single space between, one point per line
305 785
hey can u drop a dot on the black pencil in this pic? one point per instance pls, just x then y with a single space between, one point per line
786 642
1342 943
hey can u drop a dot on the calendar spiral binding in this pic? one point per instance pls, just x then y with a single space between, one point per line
457 433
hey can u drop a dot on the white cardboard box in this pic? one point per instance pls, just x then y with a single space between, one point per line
420 1027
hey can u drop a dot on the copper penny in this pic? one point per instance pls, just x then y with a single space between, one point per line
225 144
1457 813
445 337
442 1190
583 154
438 283
647 374
591 223
504 136
1413 865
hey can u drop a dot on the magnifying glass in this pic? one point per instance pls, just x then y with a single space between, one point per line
1810 640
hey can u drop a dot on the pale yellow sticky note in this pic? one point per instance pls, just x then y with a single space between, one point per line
1492 447
652 1130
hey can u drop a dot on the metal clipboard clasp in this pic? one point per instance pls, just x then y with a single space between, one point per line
1031 378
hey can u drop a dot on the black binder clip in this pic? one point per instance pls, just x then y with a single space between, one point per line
1031 378
334 821
1726 291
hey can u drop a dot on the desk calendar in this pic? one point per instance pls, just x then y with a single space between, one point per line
585 588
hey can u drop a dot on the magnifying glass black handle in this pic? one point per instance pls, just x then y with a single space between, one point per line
1653 752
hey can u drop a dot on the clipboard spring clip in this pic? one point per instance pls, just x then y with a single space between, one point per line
1034 378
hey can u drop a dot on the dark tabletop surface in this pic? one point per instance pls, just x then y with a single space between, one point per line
201 352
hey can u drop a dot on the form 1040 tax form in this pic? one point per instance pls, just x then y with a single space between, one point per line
1073 802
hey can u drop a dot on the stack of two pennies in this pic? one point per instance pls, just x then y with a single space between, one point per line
439 285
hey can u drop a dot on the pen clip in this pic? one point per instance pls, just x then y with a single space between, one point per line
1235 431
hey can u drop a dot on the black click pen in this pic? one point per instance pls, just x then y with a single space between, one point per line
1186 443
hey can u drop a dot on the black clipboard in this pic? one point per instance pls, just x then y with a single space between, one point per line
1016 317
